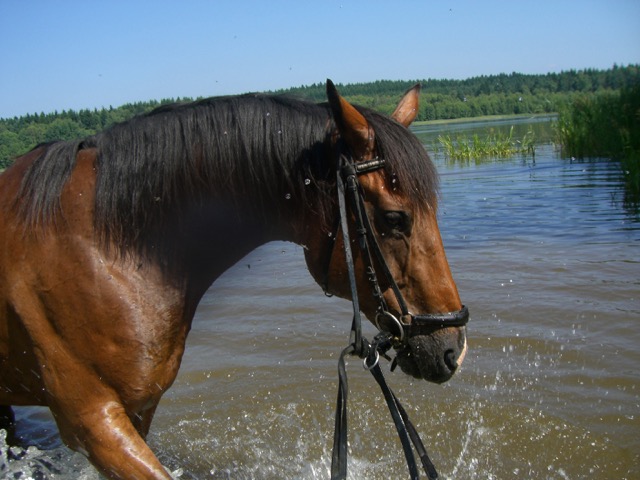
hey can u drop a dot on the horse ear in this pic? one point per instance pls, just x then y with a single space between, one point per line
407 110
352 125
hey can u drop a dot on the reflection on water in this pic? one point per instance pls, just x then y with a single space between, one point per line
547 259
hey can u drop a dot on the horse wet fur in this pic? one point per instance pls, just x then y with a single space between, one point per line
108 243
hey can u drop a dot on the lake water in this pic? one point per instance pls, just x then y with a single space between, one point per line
546 254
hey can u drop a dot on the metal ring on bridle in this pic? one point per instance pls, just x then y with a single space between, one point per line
393 319
375 362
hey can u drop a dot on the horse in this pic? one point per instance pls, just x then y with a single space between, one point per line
108 243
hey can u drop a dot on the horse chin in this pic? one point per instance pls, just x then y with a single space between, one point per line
426 357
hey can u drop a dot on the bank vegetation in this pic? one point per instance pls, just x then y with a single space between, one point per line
606 124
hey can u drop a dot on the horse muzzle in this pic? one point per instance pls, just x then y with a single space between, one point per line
434 357
429 347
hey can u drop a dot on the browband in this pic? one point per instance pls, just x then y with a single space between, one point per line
369 165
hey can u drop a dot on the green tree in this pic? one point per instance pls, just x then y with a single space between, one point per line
65 129
9 144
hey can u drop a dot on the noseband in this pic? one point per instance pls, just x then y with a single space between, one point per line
394 331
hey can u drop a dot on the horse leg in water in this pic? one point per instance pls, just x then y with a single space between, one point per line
99 425
7 418
96 364
142 421
7 423
90 414
111 441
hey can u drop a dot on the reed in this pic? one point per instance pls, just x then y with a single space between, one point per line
490 146
605 125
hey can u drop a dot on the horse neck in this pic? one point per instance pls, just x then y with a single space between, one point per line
218 234
215 239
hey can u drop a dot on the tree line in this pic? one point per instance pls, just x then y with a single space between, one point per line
502 94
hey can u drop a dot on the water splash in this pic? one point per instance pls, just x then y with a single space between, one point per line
31 463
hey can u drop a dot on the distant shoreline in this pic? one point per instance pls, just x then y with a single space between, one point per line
484 118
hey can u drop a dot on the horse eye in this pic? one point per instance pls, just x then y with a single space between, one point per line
397 220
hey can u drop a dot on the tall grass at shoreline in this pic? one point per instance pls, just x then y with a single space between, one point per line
491 146
605 125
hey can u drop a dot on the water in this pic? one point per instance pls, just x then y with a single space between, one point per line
546 255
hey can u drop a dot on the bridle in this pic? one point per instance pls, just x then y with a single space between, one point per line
408 324
394 331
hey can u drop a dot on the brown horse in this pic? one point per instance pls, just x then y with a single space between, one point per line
107 245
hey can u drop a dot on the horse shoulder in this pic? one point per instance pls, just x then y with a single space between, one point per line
77 311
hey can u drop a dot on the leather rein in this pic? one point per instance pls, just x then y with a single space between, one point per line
394 331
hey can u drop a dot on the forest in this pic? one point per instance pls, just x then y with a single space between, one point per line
503 94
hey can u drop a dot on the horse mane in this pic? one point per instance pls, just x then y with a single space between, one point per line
252 149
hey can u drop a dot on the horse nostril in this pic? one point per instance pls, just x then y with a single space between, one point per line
451 360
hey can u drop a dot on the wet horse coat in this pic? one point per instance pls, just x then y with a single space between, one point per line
107 245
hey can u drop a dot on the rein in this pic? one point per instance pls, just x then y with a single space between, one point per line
393 331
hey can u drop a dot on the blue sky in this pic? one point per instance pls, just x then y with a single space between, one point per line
64 54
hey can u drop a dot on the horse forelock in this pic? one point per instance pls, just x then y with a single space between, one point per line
408 165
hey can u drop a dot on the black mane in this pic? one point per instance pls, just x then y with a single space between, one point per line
253 150
268 154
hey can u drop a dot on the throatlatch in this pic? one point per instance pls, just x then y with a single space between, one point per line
393 331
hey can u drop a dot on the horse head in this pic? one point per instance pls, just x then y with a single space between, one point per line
400 206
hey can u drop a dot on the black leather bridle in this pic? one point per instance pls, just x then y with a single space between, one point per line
393 331
409 324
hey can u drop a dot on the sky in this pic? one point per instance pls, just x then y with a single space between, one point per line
64 54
